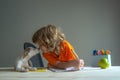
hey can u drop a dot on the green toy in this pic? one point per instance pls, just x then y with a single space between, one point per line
103 63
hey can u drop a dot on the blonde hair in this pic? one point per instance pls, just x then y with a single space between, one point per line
49 36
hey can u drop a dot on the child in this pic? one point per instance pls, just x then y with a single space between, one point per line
56 49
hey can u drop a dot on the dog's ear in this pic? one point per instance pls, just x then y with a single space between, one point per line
27 45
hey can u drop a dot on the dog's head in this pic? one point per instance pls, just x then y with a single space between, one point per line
29 52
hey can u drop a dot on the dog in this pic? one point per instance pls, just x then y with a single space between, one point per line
23 63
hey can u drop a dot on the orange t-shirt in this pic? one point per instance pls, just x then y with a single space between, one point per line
66 53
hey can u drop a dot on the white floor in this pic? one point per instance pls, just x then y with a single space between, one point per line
88 73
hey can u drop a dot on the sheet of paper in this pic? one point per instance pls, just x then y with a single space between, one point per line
69 69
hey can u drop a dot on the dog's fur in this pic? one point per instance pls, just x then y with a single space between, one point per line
23 63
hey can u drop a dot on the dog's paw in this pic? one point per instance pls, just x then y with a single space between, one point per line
33 69
26 70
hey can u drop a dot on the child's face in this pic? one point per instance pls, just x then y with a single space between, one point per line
44 49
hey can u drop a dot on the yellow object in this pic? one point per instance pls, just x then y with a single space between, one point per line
40 70
108 52
103 52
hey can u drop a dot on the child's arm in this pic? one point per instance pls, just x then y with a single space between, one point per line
73 63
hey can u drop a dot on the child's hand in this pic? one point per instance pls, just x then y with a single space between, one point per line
81 62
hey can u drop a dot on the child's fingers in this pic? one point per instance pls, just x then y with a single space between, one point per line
81 62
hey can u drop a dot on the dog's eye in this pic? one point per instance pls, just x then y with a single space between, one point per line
25 54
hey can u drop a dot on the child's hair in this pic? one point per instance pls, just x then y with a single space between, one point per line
49 36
